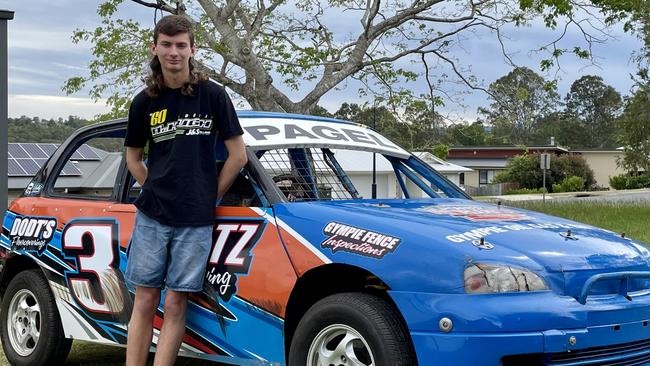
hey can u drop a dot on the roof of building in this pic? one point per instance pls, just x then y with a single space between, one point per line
479 163
440 164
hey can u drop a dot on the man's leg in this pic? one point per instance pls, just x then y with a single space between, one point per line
140 328
173 328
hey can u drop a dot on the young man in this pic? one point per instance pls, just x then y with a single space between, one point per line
180 114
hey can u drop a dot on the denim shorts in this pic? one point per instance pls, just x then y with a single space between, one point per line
175 257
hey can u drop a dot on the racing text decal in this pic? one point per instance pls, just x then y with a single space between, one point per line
358 241
31 233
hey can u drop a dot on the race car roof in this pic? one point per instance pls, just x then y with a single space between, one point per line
269 130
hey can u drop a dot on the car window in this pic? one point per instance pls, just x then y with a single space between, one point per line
91 167
308 174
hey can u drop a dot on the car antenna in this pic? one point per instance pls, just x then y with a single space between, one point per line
374 155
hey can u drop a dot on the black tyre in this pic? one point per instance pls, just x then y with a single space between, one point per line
351 329
30 327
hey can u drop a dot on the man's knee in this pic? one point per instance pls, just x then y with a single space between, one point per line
175 304
146 300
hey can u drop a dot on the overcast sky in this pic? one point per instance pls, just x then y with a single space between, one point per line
42 57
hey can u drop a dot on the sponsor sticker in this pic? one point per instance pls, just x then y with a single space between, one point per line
31 233
231 255
359 241
33 189
474 213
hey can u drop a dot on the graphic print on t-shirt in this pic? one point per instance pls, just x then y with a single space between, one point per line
188 125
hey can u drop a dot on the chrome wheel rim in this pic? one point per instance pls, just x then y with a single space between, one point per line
339 345
24 322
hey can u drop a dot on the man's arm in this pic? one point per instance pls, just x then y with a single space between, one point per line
235 161
135 163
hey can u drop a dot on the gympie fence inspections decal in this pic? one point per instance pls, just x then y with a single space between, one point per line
360 241
270 133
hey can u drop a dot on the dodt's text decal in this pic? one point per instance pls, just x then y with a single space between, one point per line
32 233
358 241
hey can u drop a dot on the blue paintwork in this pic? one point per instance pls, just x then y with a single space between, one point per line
425 275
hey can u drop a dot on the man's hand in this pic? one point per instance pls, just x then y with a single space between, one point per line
235 161
135 163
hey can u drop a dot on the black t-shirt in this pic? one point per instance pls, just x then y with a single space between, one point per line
182 131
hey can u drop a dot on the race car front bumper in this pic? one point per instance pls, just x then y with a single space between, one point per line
535 328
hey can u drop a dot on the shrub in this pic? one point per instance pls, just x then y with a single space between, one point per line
570 184
525 170
625 181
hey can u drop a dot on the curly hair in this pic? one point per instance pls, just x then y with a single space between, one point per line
172 25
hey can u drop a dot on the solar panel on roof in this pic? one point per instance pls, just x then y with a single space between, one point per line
70 169
13 169
33 150
40 162
48 148
16 151
29 165
87 152
77 156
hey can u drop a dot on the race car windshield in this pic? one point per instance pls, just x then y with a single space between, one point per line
314 174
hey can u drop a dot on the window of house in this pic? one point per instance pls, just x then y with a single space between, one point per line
461 179
482 177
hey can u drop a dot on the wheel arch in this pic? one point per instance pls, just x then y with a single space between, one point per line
326 280
14 265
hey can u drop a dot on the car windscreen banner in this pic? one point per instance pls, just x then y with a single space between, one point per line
276 133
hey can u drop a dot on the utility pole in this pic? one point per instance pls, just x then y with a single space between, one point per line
5 15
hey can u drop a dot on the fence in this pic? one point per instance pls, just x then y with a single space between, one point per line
491 189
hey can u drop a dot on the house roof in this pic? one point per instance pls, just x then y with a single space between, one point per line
440 164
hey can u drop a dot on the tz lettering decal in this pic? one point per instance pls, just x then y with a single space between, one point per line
97 285
32 233
358 241
474 213
231 255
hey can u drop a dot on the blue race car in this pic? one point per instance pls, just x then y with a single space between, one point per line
309 269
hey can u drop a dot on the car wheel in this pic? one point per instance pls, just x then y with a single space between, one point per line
30 327
351 329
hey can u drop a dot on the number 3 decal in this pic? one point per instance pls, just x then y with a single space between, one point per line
97 285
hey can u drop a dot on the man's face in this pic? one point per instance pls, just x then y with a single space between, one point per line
174 52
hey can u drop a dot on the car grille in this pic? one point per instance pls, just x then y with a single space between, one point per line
626 354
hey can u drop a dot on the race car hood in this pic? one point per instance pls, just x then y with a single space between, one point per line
416 244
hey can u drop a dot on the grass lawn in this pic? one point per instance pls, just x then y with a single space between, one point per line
633 219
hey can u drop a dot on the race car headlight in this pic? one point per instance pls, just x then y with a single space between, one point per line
487 278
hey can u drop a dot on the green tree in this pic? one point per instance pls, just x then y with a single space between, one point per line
517 101
261 49
568 131
463 134
597 105
426 126
381 119
634 132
